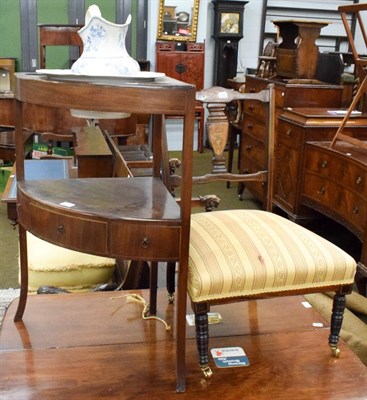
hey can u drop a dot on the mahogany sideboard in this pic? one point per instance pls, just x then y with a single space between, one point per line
287 94
127 218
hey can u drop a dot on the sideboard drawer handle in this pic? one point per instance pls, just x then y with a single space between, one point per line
145 243
359 180
181 68
60 229
323 164
251 107
248 147
289 132
321 190
250 126
356 210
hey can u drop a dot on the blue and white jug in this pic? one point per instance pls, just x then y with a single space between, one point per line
104 49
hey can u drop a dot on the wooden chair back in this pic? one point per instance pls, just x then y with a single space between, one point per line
58 35
217 128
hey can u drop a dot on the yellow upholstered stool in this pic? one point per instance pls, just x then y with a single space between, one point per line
67 269
243 254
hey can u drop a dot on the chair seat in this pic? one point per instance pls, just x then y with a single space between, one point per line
237 253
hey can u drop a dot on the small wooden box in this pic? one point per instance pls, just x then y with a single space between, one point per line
286 63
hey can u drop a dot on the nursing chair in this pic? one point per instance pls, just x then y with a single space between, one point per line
238 255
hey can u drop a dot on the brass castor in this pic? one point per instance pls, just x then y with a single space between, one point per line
171 298
206 371
335 351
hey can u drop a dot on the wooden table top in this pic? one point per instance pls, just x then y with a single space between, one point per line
143 198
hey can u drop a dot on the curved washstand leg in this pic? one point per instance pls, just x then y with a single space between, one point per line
202 341
23 274
170 281
336 323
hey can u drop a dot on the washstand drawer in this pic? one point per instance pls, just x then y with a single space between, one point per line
144 240
81 234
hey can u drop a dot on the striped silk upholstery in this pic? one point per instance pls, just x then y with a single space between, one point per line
252 252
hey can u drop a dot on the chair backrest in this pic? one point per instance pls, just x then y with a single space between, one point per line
58 35
216 99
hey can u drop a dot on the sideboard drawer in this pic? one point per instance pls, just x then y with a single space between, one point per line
337 169
291 135
336 200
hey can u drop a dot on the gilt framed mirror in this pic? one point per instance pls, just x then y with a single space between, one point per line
178 20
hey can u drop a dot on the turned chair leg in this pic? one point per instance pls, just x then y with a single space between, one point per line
336 322
202 342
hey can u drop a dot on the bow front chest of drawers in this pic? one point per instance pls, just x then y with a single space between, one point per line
253 150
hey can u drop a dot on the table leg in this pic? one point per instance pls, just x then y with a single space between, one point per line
23 274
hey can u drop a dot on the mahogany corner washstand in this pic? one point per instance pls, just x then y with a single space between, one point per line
126 218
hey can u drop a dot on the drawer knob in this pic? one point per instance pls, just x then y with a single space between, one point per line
250 126
60 229
251 107
248 147
289 132
145 243
356 210
359 180
321 190
324 164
